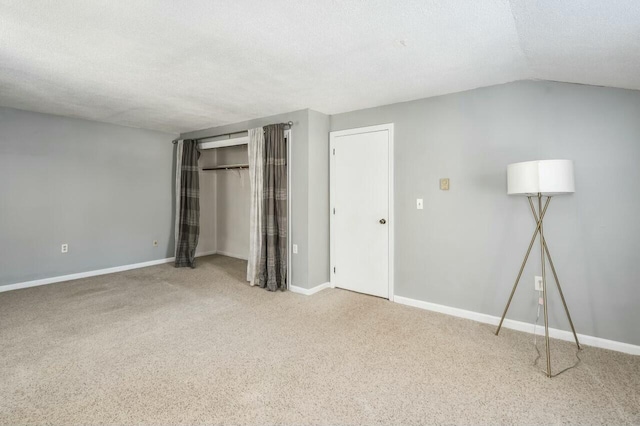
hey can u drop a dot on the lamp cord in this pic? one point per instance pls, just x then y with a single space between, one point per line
535 343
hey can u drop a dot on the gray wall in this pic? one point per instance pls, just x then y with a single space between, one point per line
464 249
300 154
106 190
319 125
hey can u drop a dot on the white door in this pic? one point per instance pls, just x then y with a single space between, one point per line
361 231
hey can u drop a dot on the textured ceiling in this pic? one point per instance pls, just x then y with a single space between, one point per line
185 65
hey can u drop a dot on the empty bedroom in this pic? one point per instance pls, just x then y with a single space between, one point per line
319 212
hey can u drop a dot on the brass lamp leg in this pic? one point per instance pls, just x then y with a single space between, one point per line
544 255
566 309
544 288
524 262
555 276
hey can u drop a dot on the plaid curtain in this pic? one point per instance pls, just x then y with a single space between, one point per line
272 273
188 220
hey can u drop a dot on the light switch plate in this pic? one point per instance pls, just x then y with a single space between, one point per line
295 249
444 184
419 204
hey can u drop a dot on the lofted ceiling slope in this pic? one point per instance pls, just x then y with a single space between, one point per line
179 66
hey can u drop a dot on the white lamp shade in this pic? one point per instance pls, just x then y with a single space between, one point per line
548 177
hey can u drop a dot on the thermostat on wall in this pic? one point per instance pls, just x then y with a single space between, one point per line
444 184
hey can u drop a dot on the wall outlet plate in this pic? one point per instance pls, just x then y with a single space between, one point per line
64 248
537 283
295 249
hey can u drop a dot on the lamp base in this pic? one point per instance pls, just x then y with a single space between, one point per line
544 255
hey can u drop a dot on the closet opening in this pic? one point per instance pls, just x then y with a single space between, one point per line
226 200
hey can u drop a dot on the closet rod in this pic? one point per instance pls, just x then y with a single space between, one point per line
290 124
227 167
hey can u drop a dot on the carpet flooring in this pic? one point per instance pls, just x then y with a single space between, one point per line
161 345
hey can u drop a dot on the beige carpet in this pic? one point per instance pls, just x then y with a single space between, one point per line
177 346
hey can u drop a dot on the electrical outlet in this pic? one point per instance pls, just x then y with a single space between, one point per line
295 249
419 204
64 248
537 283
155 243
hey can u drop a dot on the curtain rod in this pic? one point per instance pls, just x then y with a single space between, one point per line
290 124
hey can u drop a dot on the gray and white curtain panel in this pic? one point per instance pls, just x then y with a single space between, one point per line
187 226
256 179
267 266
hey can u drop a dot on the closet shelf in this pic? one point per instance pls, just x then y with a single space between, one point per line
226 167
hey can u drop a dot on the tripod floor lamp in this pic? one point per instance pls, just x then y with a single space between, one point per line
538 179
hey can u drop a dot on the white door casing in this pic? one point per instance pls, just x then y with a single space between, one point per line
287 135
361 181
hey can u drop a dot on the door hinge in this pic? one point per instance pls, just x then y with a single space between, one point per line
334 210
334 151
334 269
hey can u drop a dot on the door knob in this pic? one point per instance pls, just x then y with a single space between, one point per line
382 221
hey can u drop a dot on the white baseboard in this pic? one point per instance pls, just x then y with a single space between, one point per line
520 326
86 274
77 276
236 255
309 291
206 253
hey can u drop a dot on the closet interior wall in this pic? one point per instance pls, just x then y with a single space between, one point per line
224 203
207 242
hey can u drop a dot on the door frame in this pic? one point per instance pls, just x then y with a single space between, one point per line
287 134
333 137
